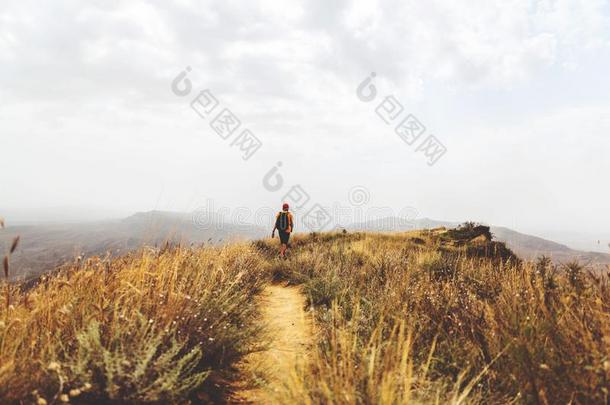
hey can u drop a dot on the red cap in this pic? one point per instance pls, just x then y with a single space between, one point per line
285 206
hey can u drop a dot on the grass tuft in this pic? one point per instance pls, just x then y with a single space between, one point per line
150 327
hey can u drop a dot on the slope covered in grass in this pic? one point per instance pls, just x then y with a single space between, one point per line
150 327
419 317
446 316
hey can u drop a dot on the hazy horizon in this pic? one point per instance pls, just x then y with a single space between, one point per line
516 92
575 239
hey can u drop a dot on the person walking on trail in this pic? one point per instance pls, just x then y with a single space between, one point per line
284 223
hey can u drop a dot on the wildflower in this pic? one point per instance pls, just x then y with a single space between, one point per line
64 398
41 401
53 366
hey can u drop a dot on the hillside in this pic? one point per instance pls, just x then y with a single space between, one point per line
443 316
46 246
526 246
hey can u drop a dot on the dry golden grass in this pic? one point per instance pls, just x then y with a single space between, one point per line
419 317
149 327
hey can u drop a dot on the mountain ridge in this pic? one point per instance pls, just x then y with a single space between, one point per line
43 247
527 246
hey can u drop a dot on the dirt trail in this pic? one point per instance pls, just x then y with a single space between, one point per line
290 332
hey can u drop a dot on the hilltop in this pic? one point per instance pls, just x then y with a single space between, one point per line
442 315
528 247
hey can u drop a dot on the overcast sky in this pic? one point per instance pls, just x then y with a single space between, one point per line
517 91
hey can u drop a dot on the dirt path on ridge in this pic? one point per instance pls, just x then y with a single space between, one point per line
290 333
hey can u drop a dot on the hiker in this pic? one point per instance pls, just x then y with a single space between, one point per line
284 224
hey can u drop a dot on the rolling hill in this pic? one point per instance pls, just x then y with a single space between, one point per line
525 246
43 247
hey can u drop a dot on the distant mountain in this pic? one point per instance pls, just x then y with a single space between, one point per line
526 246
44 247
